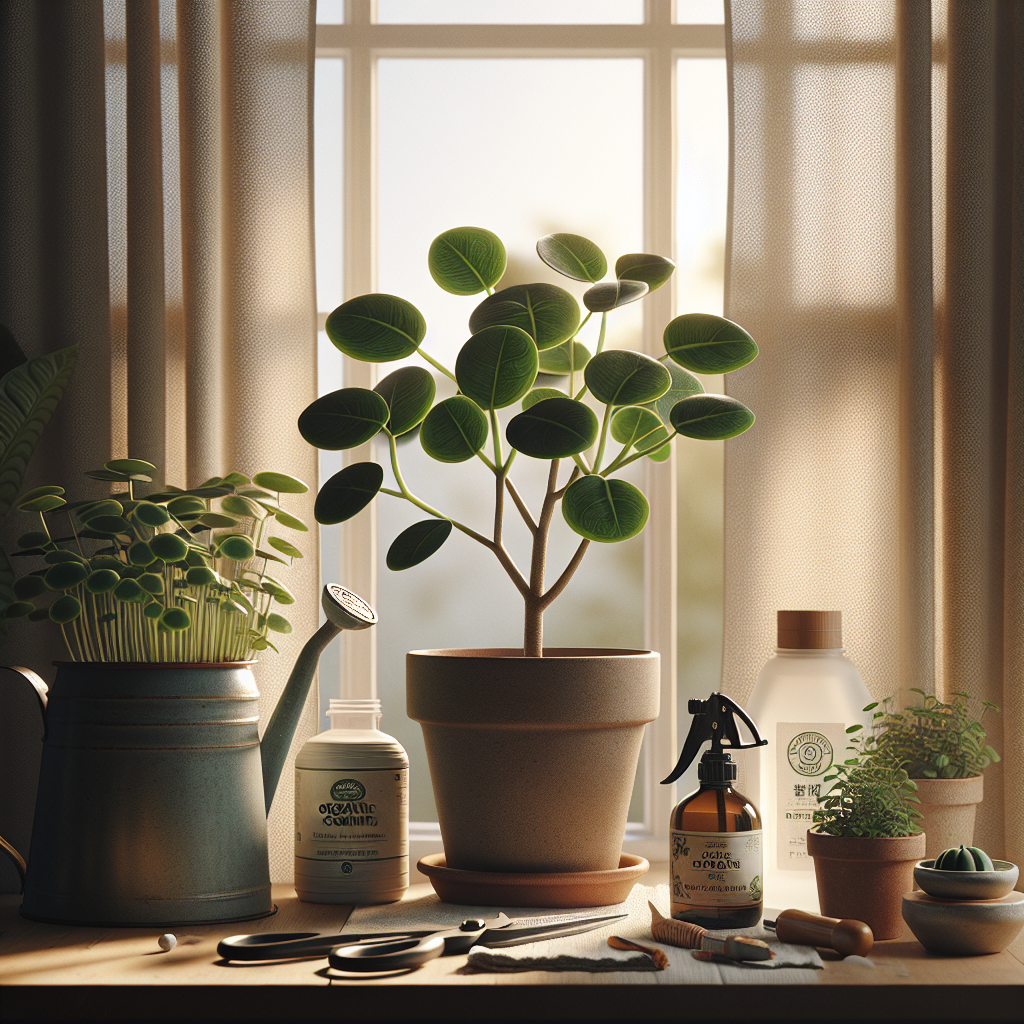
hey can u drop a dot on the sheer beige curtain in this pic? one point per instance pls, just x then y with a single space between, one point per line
876 255
156 207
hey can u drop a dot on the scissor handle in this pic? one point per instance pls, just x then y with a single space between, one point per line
387 954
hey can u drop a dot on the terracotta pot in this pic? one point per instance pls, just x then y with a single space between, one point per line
948 807
865 879
532 760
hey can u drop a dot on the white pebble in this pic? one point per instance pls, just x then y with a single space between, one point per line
167 942
862 960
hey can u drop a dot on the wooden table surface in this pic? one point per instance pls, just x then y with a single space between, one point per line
73 973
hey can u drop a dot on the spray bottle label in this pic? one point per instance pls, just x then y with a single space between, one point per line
719 869
353 819
804 752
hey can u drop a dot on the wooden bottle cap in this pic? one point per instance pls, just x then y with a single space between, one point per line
810 630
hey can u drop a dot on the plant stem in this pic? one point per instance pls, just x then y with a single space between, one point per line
604 438
567 573
437 366
617 464
524 511
533 633
496 437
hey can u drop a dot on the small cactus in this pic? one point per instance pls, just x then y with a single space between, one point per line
964 858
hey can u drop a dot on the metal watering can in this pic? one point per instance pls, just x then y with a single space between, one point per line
154 788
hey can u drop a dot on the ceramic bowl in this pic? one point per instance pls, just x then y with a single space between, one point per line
964 927
966 885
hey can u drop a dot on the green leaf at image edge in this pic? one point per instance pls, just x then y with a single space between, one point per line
417 543
29 393
607 511
348 492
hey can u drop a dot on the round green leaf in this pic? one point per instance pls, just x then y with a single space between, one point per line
44 503
235 480
41 492
607 295
30 586
261 553
343 419
604 510
284 547
465 261
153 610
454 430
548 314
129 466
150 582
218 520
175 619
238 505
106 507
201 576
553 429
417 543
110 525
292 522
348 492
683 385
376 328
539 395
497 366
65 575
556 360
130 590
278 591
278 623
236 546
33 539
53 557
711 417
150 515
280 482
706 343
621 377
654 271
168 548
19 609
657 451
140 553
574 256
636 426
65 609
186 505
194 558
409 393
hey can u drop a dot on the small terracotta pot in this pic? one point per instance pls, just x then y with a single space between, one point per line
532 760
948 808
865 879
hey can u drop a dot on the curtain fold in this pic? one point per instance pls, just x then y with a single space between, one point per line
156 207
878 175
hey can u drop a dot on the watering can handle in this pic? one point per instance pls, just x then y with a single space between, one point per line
37 684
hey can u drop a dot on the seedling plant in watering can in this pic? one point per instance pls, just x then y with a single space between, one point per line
517 333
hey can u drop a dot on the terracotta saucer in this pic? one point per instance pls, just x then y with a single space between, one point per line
500 889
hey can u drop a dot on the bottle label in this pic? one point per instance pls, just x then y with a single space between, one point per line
719 869
352 818
804 752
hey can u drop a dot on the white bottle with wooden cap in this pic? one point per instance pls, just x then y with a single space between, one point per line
806 697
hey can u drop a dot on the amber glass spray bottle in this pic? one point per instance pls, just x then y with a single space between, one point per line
715 832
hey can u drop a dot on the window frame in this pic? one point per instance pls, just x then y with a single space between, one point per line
659 42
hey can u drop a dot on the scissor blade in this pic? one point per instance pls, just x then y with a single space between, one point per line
536 929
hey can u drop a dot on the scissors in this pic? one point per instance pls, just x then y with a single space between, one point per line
388 951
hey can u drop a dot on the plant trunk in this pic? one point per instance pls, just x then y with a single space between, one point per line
533 633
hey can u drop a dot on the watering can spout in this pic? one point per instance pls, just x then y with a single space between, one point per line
344 611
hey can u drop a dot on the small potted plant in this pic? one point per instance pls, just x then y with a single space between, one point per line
866 839
513 735
943 748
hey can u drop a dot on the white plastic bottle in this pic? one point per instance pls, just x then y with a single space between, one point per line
352 810
804 700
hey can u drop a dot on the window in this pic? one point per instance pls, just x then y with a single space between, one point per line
426 120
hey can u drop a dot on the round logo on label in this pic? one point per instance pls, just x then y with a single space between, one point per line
810 753
345 790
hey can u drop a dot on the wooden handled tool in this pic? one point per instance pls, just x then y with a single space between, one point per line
692 936
845 936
